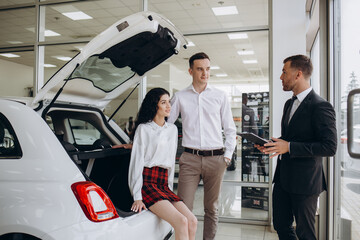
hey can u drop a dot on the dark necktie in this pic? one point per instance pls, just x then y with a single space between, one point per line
288 110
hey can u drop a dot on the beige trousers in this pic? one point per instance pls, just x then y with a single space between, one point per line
211 170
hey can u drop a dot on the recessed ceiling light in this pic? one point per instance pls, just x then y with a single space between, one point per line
14 42
214 67
49 65
47 33
246 52
50 33
62 58
9 55
77 15
250 61
190 44
220 11
237 36
221 75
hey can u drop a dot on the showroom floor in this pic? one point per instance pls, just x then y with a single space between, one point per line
233 231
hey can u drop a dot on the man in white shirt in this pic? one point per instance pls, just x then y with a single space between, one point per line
205 112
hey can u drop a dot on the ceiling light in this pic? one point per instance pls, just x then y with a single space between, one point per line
49 33
14 42
190 44
245 52
220 11
250 61
62 58
237 36
49 65
9 55
221 75
77 15
214 67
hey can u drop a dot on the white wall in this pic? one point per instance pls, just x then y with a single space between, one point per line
14 78
288 38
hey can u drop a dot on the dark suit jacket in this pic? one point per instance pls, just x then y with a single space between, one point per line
312 135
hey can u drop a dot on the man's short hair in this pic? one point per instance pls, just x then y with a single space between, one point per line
302 63
196 56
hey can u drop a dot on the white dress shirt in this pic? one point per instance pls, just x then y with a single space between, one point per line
153 146
204 115
299 98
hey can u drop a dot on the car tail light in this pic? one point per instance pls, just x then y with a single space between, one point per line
343 140
95 203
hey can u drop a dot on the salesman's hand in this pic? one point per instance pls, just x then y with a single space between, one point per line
126 146
276 147
138 205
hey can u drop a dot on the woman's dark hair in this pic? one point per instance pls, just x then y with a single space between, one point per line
148 108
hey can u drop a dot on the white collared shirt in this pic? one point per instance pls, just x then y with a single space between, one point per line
153 145
203 116
299 98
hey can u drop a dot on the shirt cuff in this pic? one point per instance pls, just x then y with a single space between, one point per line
137 197
228 154
289 147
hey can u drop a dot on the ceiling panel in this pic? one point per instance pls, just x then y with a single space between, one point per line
190 16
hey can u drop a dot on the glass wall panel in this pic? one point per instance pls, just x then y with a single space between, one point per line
84 19
195 16
17 73
239 67
17 26
56 56
349 77
6 3
233 204
129 109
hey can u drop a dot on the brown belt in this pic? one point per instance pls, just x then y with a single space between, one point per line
205 153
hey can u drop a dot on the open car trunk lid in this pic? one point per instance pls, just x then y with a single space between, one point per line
114 61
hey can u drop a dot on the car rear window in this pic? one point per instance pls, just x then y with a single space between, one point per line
9 145
103 73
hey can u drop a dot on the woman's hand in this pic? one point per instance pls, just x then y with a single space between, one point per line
138 205
125 145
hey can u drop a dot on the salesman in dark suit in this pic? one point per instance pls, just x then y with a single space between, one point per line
308 133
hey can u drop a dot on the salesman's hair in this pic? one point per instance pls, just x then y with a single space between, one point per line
148 107
302 63
197 56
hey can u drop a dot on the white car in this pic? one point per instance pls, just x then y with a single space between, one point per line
59 176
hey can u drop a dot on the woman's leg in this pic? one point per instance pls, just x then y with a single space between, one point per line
165 210
191 219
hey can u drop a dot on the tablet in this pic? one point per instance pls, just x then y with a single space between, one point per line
253 138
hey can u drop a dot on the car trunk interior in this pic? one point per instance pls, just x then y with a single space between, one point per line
101 164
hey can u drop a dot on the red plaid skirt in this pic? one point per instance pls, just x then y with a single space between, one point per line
155 186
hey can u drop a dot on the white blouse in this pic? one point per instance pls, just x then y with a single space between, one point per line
153 145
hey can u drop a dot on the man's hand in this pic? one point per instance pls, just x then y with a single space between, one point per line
227 161
274 148
126 146
138 205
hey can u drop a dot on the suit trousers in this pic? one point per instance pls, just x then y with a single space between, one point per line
286 206
211 170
